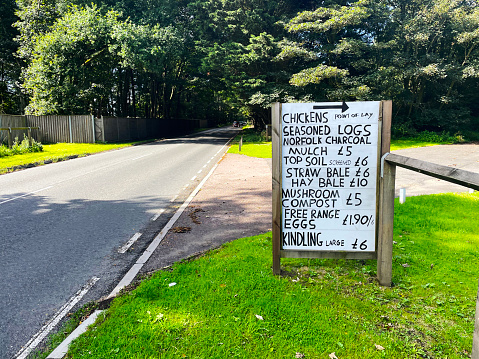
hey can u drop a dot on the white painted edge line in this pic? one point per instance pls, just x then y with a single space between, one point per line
46 329
131 274
156 216
25 195
62 349
129 243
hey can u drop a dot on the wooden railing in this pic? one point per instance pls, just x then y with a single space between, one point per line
449 174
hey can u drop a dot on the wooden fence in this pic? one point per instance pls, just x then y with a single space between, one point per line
10 130
72 129
87 129
13 121
117 129
52 129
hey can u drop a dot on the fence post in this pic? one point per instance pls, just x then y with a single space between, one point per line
70 127
93 128
29 137
102 129
475 339
10 140
386 201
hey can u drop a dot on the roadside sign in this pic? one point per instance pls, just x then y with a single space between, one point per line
329 161
329 200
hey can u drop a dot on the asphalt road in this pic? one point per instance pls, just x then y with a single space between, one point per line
62 225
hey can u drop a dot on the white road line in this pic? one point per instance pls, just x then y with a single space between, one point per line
25 195
193 178
200 171
37 338
137 158
129 243
135 269
62 349
174 198
128 278
156 216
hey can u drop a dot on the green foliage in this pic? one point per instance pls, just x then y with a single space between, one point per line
255 144
9 65
72 64
19 148
421 54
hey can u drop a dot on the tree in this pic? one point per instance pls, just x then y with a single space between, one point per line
72 66
420 54
9 65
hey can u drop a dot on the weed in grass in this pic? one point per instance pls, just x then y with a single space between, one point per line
18 148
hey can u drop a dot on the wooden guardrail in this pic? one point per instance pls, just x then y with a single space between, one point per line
449 174
10 129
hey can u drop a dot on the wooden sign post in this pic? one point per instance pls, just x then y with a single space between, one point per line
326 182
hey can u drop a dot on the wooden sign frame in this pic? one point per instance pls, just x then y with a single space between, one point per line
385 201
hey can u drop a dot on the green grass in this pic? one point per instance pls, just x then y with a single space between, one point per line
227 303
56 152
413 143
255 146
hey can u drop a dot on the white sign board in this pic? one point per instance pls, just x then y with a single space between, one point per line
329 173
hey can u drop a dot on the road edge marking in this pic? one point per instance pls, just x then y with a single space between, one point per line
47 328
135 269
62 349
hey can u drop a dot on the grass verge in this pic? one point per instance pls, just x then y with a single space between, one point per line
254 144
401 144
227 303
54 153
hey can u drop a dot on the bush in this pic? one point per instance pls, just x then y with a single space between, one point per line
19 148
407 132
429 136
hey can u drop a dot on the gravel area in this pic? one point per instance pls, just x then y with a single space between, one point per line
234 202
